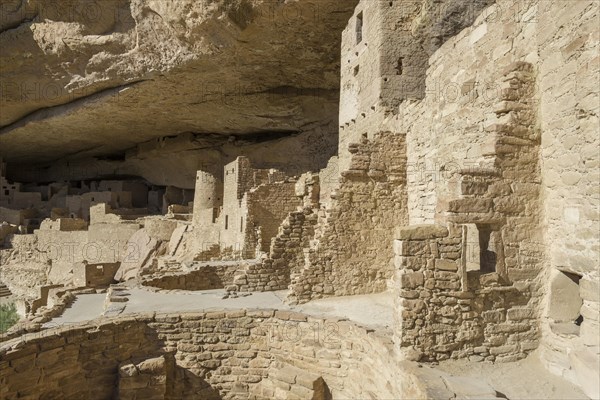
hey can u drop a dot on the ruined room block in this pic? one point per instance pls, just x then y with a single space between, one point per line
94 275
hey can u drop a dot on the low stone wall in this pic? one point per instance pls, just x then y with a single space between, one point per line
220 355
52 304
203 278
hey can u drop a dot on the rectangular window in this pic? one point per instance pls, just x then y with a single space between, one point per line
359 27
483 248
242 224
487 255
400 66
226 221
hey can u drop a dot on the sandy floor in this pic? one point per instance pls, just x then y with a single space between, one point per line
84 308
524 379
370 310
373 310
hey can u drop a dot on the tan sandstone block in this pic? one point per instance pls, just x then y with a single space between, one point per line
589 289
421 232
446 265
411 280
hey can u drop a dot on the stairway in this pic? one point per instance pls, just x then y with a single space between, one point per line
4 292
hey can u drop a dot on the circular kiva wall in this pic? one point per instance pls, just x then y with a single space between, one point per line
219 355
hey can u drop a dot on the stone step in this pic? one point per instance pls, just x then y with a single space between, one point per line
4 291
585 363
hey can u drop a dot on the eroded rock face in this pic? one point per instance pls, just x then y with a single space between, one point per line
98 77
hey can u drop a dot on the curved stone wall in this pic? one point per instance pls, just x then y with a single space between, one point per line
245 354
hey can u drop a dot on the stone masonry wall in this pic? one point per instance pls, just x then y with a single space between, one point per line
359 60
442 310
522 144
485 177
346 256
381 66
286 256
268 205
77 363
53 254
203 278
569 86
448 131
217 355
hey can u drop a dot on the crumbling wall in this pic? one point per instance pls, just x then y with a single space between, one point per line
268 205
346 256
242 219
205 277
328 181
286 257
64 224
50 255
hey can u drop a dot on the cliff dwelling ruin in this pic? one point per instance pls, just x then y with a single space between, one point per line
308 199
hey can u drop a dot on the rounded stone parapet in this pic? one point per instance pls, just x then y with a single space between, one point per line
254 354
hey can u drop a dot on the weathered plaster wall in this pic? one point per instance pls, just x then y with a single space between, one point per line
569 104
569 82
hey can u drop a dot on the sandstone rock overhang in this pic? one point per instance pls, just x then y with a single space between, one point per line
89 78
